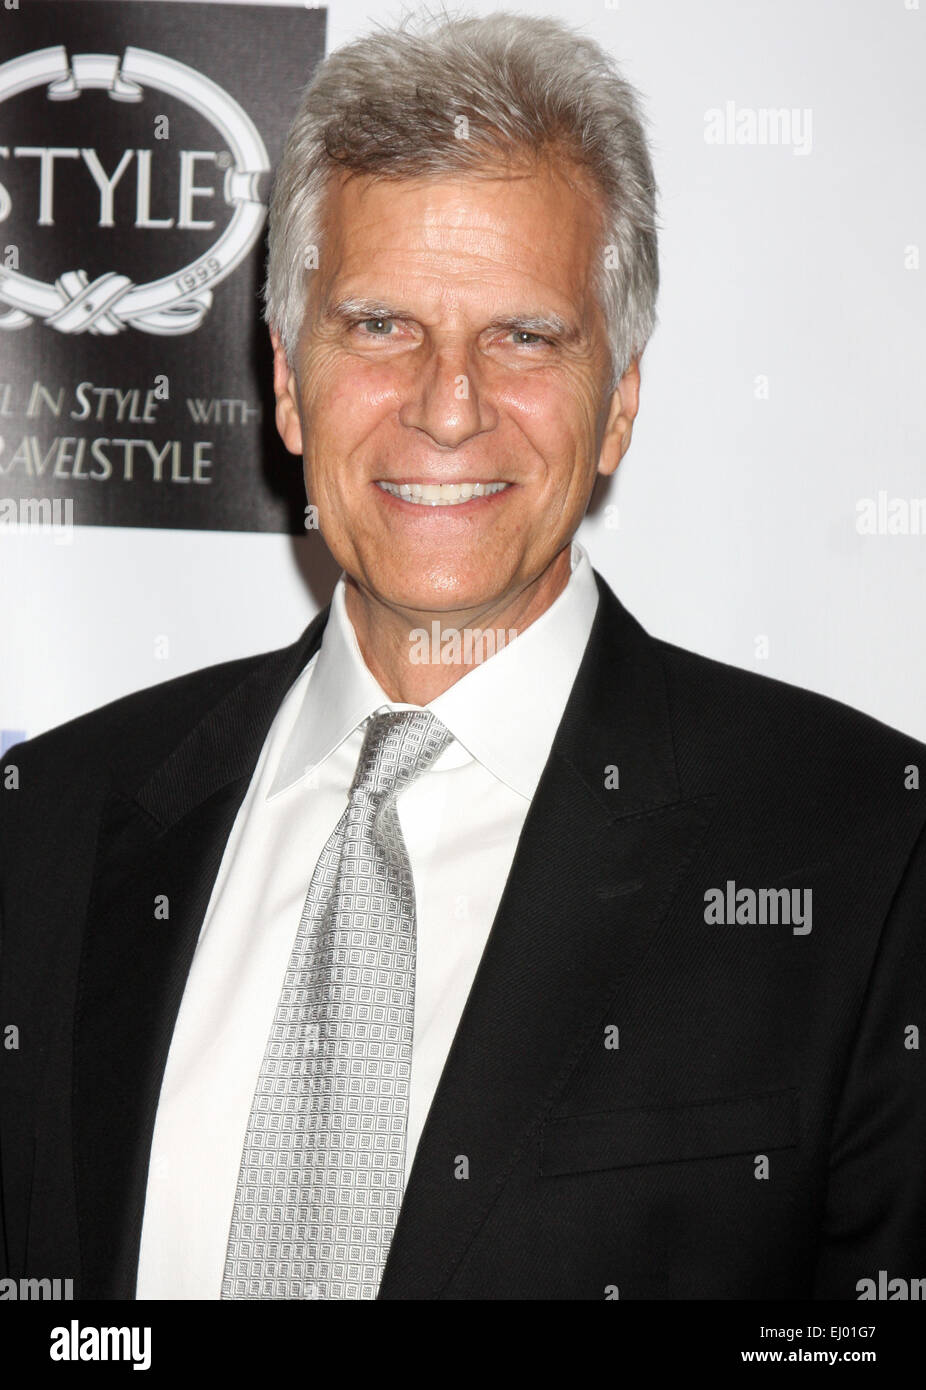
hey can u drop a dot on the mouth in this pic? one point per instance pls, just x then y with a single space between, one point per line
441 494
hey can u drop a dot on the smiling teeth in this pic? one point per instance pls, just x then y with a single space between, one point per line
440 494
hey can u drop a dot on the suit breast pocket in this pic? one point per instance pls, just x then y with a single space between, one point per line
669 1134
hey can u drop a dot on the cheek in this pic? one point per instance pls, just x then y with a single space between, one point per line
360 385
324 398
344 402
558 421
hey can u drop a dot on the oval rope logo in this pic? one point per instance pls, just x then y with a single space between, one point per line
175 303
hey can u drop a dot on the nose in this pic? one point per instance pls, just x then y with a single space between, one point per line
448 400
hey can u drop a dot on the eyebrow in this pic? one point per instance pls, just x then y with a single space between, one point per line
545 324
548 325
362 308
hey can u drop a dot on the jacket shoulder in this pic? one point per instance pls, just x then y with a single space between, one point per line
738 719
138 730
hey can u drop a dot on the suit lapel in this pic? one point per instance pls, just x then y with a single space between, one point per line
160 851
593 875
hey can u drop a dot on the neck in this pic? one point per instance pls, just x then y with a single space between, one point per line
411 671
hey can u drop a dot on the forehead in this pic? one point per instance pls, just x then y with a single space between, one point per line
532 229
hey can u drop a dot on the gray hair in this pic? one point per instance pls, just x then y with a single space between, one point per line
394 105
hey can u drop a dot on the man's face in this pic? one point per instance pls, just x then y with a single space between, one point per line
452 337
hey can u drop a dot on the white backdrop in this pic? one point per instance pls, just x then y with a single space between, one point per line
784 386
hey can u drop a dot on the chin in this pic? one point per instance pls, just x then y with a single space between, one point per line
440 593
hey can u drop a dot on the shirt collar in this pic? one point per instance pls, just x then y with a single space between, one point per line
505 711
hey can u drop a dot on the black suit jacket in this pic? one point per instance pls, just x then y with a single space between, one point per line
757 1131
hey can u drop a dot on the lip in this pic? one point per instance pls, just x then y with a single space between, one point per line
429 478
458 508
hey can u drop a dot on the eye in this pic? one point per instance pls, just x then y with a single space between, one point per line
380 329
524 338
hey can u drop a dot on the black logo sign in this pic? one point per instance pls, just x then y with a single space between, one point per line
136 150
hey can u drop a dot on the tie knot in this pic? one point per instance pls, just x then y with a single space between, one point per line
397 748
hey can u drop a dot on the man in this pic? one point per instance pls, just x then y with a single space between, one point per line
479 945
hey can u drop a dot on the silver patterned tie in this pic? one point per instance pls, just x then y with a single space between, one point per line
322 1170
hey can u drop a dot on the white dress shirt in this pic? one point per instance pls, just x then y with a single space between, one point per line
461 821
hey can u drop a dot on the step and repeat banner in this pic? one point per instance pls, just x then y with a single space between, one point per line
138 144
772 509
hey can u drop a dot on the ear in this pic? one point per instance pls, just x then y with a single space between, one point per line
286 392
625 401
